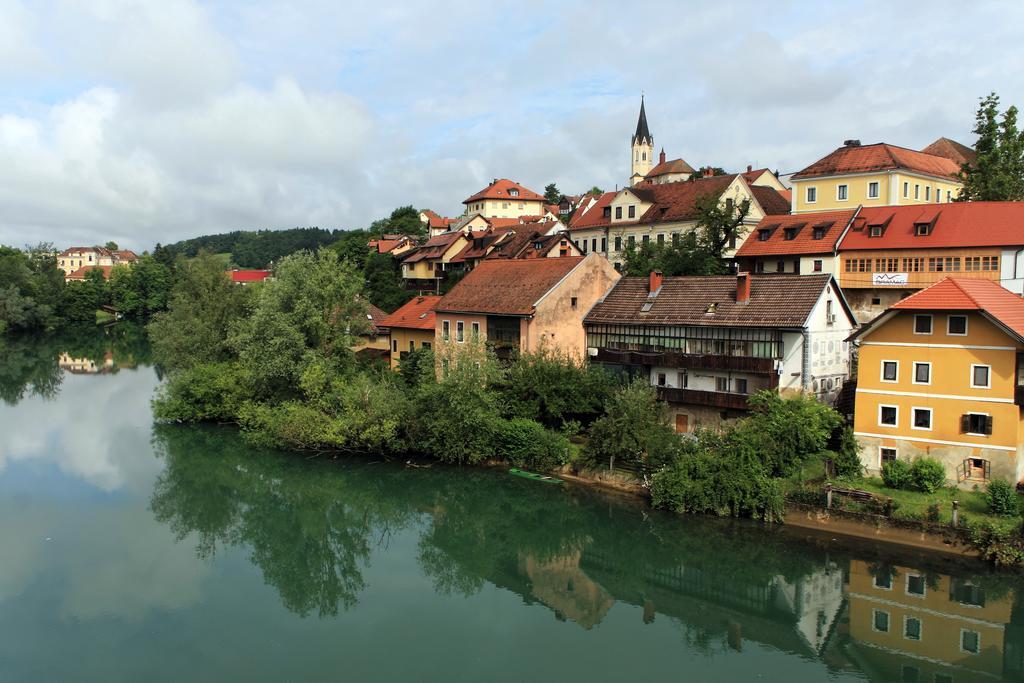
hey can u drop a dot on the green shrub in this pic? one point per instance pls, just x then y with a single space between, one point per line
1001 498
1000 544
928 475
896 474
525 443
847 457
934 513
203 393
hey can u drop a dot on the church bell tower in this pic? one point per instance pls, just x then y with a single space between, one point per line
642 152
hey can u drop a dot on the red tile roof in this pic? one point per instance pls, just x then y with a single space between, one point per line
671 166
802 227
507 287
481 244
81 272
416 314
878 157
435 247
771 200
125 255
754 174
593 216
957 224
375 316
968 294
499 189
436 221
775 301
952 150
248 275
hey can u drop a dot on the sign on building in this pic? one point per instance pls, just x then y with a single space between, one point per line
889 279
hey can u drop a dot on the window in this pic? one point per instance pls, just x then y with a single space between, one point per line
818 233
817 265
572 302
915 585
876 301
645 239
740 386
661 379
922 229
446 329
890 370
949 195
980 377
841 192
880 621
887 415
956 325
970 641
873 190
759 267
604 244
883 581
631 240
780 266
606 212
875 231
474 327
661 239
922 418
425 345
976 423
966 593
632 211
460 331
789 234
618 243
886 455
922 324
412 346
812 195
675 239
762 235
618 212
906 190
394 345
917 191
683 379
927 193
721 384
922 373
911 628
513 192
593 244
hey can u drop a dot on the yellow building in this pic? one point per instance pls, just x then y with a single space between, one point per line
375 342
937 376
910 625
505 198
411 327
425 265
874 175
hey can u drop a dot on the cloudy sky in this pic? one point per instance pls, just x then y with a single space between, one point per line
154 121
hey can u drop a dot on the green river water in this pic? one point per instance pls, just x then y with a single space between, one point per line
137 552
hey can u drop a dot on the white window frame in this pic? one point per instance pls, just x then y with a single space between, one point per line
906 190
913 374
460 331
474 330
930 327
888 621
920 628
874 582
881 372
845 191
809 192
917 191
973 412
877 187
906 585
981 386
896 456
931 418
966 326
961 643
446 330
883 424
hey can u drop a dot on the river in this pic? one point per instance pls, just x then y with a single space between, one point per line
133 551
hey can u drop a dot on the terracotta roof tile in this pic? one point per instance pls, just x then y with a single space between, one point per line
952 150
507 286
768 238
499 189
775 301
878 157
81 272
248 275
771 200
435 247
416 314
970 294
671 202
957 224
670 166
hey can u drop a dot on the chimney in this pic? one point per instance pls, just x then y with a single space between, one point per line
742 288
851 143
654 281
749 168
661 157
708 172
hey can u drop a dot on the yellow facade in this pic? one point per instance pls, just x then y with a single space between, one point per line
510 207
889 377
404 340
884 188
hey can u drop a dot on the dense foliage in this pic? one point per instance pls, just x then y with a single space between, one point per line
1001 498
250 248
923 474
998 174
31 289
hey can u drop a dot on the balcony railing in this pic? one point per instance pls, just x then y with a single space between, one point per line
715 399
689 361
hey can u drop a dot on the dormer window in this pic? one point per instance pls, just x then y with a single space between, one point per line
875 230
763 235
790 234
710 310
538 245
922 229
513 192
819 233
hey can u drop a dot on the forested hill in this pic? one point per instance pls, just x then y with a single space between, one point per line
251 248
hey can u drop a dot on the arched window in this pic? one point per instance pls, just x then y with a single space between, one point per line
645 156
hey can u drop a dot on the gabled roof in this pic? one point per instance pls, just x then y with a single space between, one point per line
435 247
783 301
670 166
999 305
878 157
480 244
592 216
957 224
952 150
416 314
436 221
81 272
248 275
773 202
753 174
375 316
507 286
102 251
499 189
803 227
125 255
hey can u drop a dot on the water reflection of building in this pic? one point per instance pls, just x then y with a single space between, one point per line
561 585
87 366
906 625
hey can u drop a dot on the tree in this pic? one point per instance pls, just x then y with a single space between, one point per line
788 431
686 255
384 286
551 194
633 429
111 245
83 298
351 246
998 173
141 289
405 220
718 223
595 190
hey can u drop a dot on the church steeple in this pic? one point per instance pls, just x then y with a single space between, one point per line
641 148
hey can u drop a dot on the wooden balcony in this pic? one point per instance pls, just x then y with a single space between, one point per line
688 361
714 399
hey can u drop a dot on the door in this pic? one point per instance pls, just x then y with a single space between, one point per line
682 423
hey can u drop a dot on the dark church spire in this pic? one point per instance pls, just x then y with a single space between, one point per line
643 134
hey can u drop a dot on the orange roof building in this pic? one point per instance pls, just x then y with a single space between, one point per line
505 198
800 244
411 327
